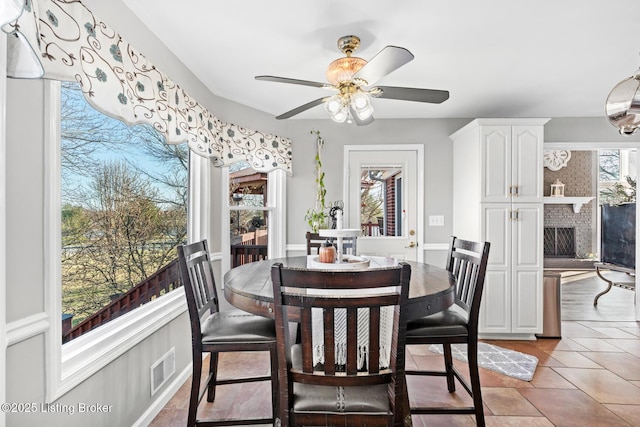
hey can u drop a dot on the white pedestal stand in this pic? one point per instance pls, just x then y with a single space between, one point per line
339 234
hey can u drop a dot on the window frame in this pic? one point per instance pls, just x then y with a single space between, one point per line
70 364
277 221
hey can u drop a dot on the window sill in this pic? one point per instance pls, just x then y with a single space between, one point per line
89 353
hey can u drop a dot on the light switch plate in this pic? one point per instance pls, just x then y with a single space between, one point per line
436 220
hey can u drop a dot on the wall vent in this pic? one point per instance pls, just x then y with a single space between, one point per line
162 370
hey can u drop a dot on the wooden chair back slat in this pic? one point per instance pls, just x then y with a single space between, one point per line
307 338
374 337
352 341
329 342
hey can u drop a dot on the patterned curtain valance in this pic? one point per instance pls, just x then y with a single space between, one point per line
63 40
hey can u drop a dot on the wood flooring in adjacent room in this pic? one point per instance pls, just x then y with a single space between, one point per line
590 377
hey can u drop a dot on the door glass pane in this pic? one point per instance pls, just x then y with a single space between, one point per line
381 200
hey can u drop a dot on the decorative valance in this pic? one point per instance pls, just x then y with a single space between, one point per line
63 40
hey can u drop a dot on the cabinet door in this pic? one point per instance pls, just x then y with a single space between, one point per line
495 310
527 164
496 162
527 269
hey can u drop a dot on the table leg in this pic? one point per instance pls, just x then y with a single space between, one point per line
609 285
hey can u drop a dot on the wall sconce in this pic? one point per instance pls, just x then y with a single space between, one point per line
557 189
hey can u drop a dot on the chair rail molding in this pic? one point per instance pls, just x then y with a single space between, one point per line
27 327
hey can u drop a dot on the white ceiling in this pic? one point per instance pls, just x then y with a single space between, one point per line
498 58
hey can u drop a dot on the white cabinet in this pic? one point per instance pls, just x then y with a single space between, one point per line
512 161
513 288
497 197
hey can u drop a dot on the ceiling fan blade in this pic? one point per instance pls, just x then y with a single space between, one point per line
293 81
413 94
302 108
387 60
358 120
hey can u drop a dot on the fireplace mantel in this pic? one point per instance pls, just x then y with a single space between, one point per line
577 202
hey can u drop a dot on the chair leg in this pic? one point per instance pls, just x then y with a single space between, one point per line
448 366
475 383
213 377
275 386
194 398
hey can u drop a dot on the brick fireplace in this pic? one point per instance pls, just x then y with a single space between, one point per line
579 177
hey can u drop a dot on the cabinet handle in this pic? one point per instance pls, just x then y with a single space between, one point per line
517 190
517 214
511 190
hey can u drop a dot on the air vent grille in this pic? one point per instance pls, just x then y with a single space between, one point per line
162 370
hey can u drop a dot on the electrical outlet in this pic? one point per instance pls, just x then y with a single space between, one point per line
436 220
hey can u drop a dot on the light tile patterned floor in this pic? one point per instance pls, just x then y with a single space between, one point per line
590 377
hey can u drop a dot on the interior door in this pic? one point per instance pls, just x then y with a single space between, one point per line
383 198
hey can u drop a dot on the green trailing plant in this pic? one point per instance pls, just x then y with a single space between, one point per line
620 193
317 215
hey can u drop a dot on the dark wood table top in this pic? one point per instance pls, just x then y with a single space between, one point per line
249 288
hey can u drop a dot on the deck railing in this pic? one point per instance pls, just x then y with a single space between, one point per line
249 247
162 281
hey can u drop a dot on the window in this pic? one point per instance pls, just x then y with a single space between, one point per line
609 165
70 364
253 215
248 214
124 198
617 176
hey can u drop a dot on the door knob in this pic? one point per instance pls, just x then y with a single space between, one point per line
411 245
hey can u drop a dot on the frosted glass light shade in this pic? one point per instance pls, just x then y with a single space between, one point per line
343 69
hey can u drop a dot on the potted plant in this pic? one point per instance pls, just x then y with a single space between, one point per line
317 216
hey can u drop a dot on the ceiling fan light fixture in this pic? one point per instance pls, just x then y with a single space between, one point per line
337 108
365 113
343 69
340 116
360 101
361 104
334 104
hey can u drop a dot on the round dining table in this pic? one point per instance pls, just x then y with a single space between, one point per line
249 288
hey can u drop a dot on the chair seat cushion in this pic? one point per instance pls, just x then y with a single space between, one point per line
237 326
448 323
316 398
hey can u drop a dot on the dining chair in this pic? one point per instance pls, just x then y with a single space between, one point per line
214 332
467 261
352 377
314 241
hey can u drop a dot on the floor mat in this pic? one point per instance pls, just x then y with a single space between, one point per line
508 362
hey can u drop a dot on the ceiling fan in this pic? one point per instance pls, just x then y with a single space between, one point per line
353 78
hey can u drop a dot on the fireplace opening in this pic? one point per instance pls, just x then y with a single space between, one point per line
560 242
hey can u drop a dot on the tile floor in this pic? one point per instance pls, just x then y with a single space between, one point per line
590 377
